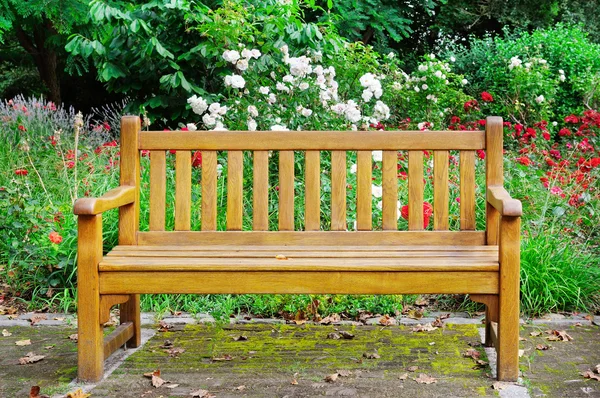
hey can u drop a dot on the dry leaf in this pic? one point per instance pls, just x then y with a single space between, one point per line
331 378
346 335
371 355
588 374
240 338
23 342
473 353
425 379
34 392
74 337
521 353
522 338
542 347
175 352
415 314
344 373
597 369
294 382
281 257
329 319
164 326
37 318
413 368
157 381
561 335
498 386
428 327
30 358
403 376
333 336
201 394
78 394
225 357
421 301
240 388
6 333
167 344
535 334
387 320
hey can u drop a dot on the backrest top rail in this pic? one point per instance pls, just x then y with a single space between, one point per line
312 140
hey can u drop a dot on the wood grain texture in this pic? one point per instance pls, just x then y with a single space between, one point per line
129 311
415 190
312 140
441 194
183 190
158 190
338 191
129 215
302 282
286 191
318 238
467 190
235 187
390 190
117 338
117 197
312 199
90 354
500 199
494 174
260 191
508 318
491 314
107 302
209 191
364 196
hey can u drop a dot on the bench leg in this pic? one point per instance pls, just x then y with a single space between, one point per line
90 344
491 313
508 317
130 312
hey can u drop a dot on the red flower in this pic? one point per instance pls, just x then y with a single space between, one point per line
111 143
197 159
524 160
481 122
454 119
572 119
427 212
518 129
487 97
471 105
546 135
22 128
55 237
564 132
70 164
481 154
21 172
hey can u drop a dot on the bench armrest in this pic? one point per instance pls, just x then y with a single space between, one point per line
114 198
500 199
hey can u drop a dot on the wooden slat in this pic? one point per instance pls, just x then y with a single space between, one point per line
290 282
467 190
286 191
399 264
235 186
493 330
260 191
183 190
209 191
364 196
440 191
117 338
313 140
493 172
338 191
312 193
158 190
320 238
120 250
271 254
390 190
415 190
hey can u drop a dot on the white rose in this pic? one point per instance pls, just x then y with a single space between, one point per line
252 124
253 111
306 112
209 120
464 82
303 86
424 86
539 99
191 126
231 56
353 168
378 156
377 191
367 95
278 127
263 90
242 64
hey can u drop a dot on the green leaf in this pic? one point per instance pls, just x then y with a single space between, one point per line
558 211
184 83
135 25
161 50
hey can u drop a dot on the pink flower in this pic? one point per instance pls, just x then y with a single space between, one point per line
55 237
556 190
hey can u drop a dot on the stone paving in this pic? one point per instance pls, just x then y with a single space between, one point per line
268 358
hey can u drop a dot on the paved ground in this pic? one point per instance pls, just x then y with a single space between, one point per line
277 360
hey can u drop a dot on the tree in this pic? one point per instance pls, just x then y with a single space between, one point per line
41 28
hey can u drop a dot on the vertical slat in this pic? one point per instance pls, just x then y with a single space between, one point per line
260 191
183 190
390 190
364 198
286 190
312 180
158 189
129 215
209 191
338 190
440 190
415 190
493 172
508 318
235 186
467 190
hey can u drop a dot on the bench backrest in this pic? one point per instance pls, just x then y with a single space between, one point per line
310 144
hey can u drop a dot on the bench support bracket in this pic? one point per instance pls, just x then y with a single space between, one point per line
491 314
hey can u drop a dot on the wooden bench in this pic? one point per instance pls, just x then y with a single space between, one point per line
484 264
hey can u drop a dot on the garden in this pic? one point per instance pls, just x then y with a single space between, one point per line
298 65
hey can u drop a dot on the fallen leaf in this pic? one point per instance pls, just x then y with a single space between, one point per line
331 378
371 355
157 381
240 338
37 318
344 373
329 319
164 326
413 368
333 336
561 335
167 344
498 386
30 358
59 318
421 301
542 347
363 316
294 382
415 314
172 385
346 335
521 353
202 394
522 338
387 320
473 353
588 374
535 334
34 392
425 379
225 357
428 327
300 321
175 352
403 376
74 337
23 342
597 369
240 388
6 333
78 394
281 257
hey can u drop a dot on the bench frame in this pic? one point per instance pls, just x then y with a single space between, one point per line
98 291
